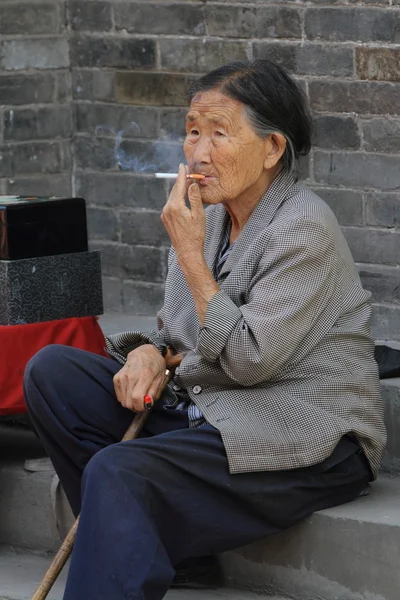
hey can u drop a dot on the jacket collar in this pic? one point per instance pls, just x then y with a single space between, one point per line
259 219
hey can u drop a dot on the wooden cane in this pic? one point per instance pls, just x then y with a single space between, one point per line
65 550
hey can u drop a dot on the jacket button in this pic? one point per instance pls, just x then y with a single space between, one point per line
176 388
196 389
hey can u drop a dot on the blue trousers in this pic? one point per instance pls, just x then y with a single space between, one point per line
149 504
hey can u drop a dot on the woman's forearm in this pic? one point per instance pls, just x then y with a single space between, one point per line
200 281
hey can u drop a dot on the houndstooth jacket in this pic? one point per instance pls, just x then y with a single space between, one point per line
283 364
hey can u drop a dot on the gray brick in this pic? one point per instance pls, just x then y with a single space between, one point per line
356 96
26 89
41 185
133 121
96 153
385 322
172 122
6 166
112 52
281 53
93 85
110 256
379 64
383 210
355 24
37 157
142 298
131 262
304 168
357 170
383 282
27 19
153 89
142 263
346 204
143 228
112 294
378 246
250 22
336 61
308 59
63 86
44 123
381 135
196 55
335 132
149 157
173 19
121 189
90 16
102 223
34 54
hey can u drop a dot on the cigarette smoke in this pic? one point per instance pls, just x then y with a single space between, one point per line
140 155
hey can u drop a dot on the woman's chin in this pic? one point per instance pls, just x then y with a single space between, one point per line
207 197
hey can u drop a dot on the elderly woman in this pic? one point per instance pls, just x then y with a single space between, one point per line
274 411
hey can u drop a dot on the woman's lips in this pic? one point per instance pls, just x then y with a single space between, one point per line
207 179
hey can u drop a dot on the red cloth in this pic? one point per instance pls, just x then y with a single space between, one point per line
18 343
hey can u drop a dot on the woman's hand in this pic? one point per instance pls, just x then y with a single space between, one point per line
186 227
143 374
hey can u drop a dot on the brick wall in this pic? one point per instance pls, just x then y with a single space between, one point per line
66 68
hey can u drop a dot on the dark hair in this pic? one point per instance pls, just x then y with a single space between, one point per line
273 102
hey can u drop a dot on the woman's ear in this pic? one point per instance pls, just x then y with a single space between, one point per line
275 147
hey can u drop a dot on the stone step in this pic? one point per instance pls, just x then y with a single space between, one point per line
20 573
350 552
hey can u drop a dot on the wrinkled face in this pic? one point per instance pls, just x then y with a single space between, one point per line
221 144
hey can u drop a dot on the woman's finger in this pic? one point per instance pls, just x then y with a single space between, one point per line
157 387
120 384
137 391
194 195
179 191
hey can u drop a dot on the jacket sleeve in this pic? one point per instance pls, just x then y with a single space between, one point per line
120 344
293 301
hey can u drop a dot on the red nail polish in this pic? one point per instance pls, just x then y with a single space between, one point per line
148 402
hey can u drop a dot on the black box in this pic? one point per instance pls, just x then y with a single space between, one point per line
39 226
49 288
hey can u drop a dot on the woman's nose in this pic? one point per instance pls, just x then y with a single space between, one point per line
202 150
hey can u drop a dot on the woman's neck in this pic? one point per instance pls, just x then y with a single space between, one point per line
241 208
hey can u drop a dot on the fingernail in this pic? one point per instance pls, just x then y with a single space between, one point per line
148 402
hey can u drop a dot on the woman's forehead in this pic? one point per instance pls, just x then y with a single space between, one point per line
215 107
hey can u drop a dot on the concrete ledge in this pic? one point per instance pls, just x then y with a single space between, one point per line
21 573
26 516
346 553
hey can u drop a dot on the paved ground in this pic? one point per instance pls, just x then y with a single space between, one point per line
117 322
20 574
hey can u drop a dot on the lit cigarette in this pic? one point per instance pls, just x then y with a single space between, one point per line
175 175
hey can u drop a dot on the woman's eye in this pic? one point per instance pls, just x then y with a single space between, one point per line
219 133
